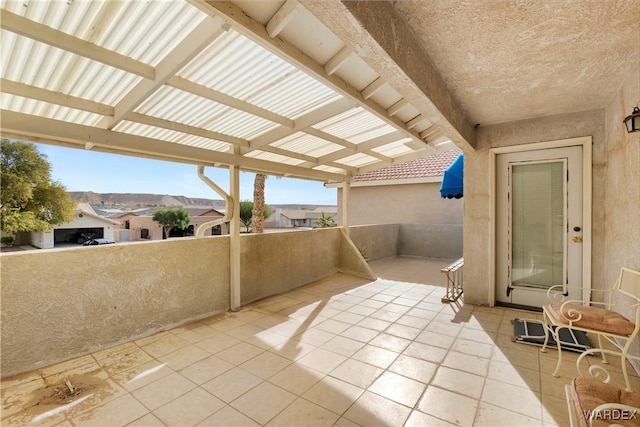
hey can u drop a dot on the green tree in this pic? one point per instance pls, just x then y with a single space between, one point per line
246 213
325 221
172 218
29 199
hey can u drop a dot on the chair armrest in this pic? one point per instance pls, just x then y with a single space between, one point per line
597 371
613 412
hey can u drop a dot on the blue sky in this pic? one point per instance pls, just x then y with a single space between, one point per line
83 170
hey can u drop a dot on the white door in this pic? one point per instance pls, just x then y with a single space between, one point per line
538 225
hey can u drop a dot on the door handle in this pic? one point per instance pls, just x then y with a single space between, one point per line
577 239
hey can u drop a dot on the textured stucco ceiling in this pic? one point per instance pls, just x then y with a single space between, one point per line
511 60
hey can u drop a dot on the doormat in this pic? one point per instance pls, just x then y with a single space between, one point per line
530 331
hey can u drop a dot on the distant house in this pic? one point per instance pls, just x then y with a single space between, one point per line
134 226
288 218
86 223
406 193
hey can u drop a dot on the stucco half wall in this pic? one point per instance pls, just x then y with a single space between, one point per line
61 303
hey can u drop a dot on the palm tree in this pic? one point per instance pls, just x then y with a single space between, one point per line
257 218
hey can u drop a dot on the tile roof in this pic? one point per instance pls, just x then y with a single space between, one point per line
423 167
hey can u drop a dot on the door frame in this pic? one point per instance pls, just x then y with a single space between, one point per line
586 143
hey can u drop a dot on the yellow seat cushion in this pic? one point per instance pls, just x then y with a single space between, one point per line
595 318
588 393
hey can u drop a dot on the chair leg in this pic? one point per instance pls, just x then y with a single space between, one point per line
546 325
604 355
623 362
556 336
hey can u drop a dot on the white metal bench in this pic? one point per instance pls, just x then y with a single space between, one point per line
455 280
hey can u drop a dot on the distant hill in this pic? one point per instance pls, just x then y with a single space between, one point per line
142 200
139 200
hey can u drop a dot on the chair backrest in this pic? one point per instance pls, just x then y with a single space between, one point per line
625 295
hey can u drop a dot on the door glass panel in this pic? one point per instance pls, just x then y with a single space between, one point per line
537 214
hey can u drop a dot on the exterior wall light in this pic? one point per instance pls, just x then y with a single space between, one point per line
632 121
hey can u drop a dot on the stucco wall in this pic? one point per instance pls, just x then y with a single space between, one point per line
277 262
57 304
61 303
417 240
400 204
477 205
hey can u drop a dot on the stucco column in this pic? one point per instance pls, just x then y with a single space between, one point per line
234 241
345 205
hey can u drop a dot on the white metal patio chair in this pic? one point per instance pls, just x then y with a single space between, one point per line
592 400
616 319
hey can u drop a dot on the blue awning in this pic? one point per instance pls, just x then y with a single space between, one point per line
451 187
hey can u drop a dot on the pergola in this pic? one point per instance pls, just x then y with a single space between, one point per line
267 89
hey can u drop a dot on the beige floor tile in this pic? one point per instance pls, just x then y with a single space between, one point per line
240 353
400 389
228 417
267 340
357 373
361 309
466 362
164 390
513 398
554 411
523 355
420 419
390 342
417 369
265 364
460 382
553 386
473 348
139 376
321 360
315 337
232 384
479 335
103 354
333 326
217 343
425 352
375 324
448 406
343 346
303 413
197 334
515 375
373 410
444 328
415 319
184 357
386 315
490 416
88 363
117 412
333 394
18 392
148 420
435 339
296 378
165 345
263 402
292 349
189 409
349 318
206 369
403 331
376 356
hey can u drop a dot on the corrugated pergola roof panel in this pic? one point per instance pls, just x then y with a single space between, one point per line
272 157
308 144
283 96
182 107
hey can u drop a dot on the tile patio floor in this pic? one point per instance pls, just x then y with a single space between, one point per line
342 351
